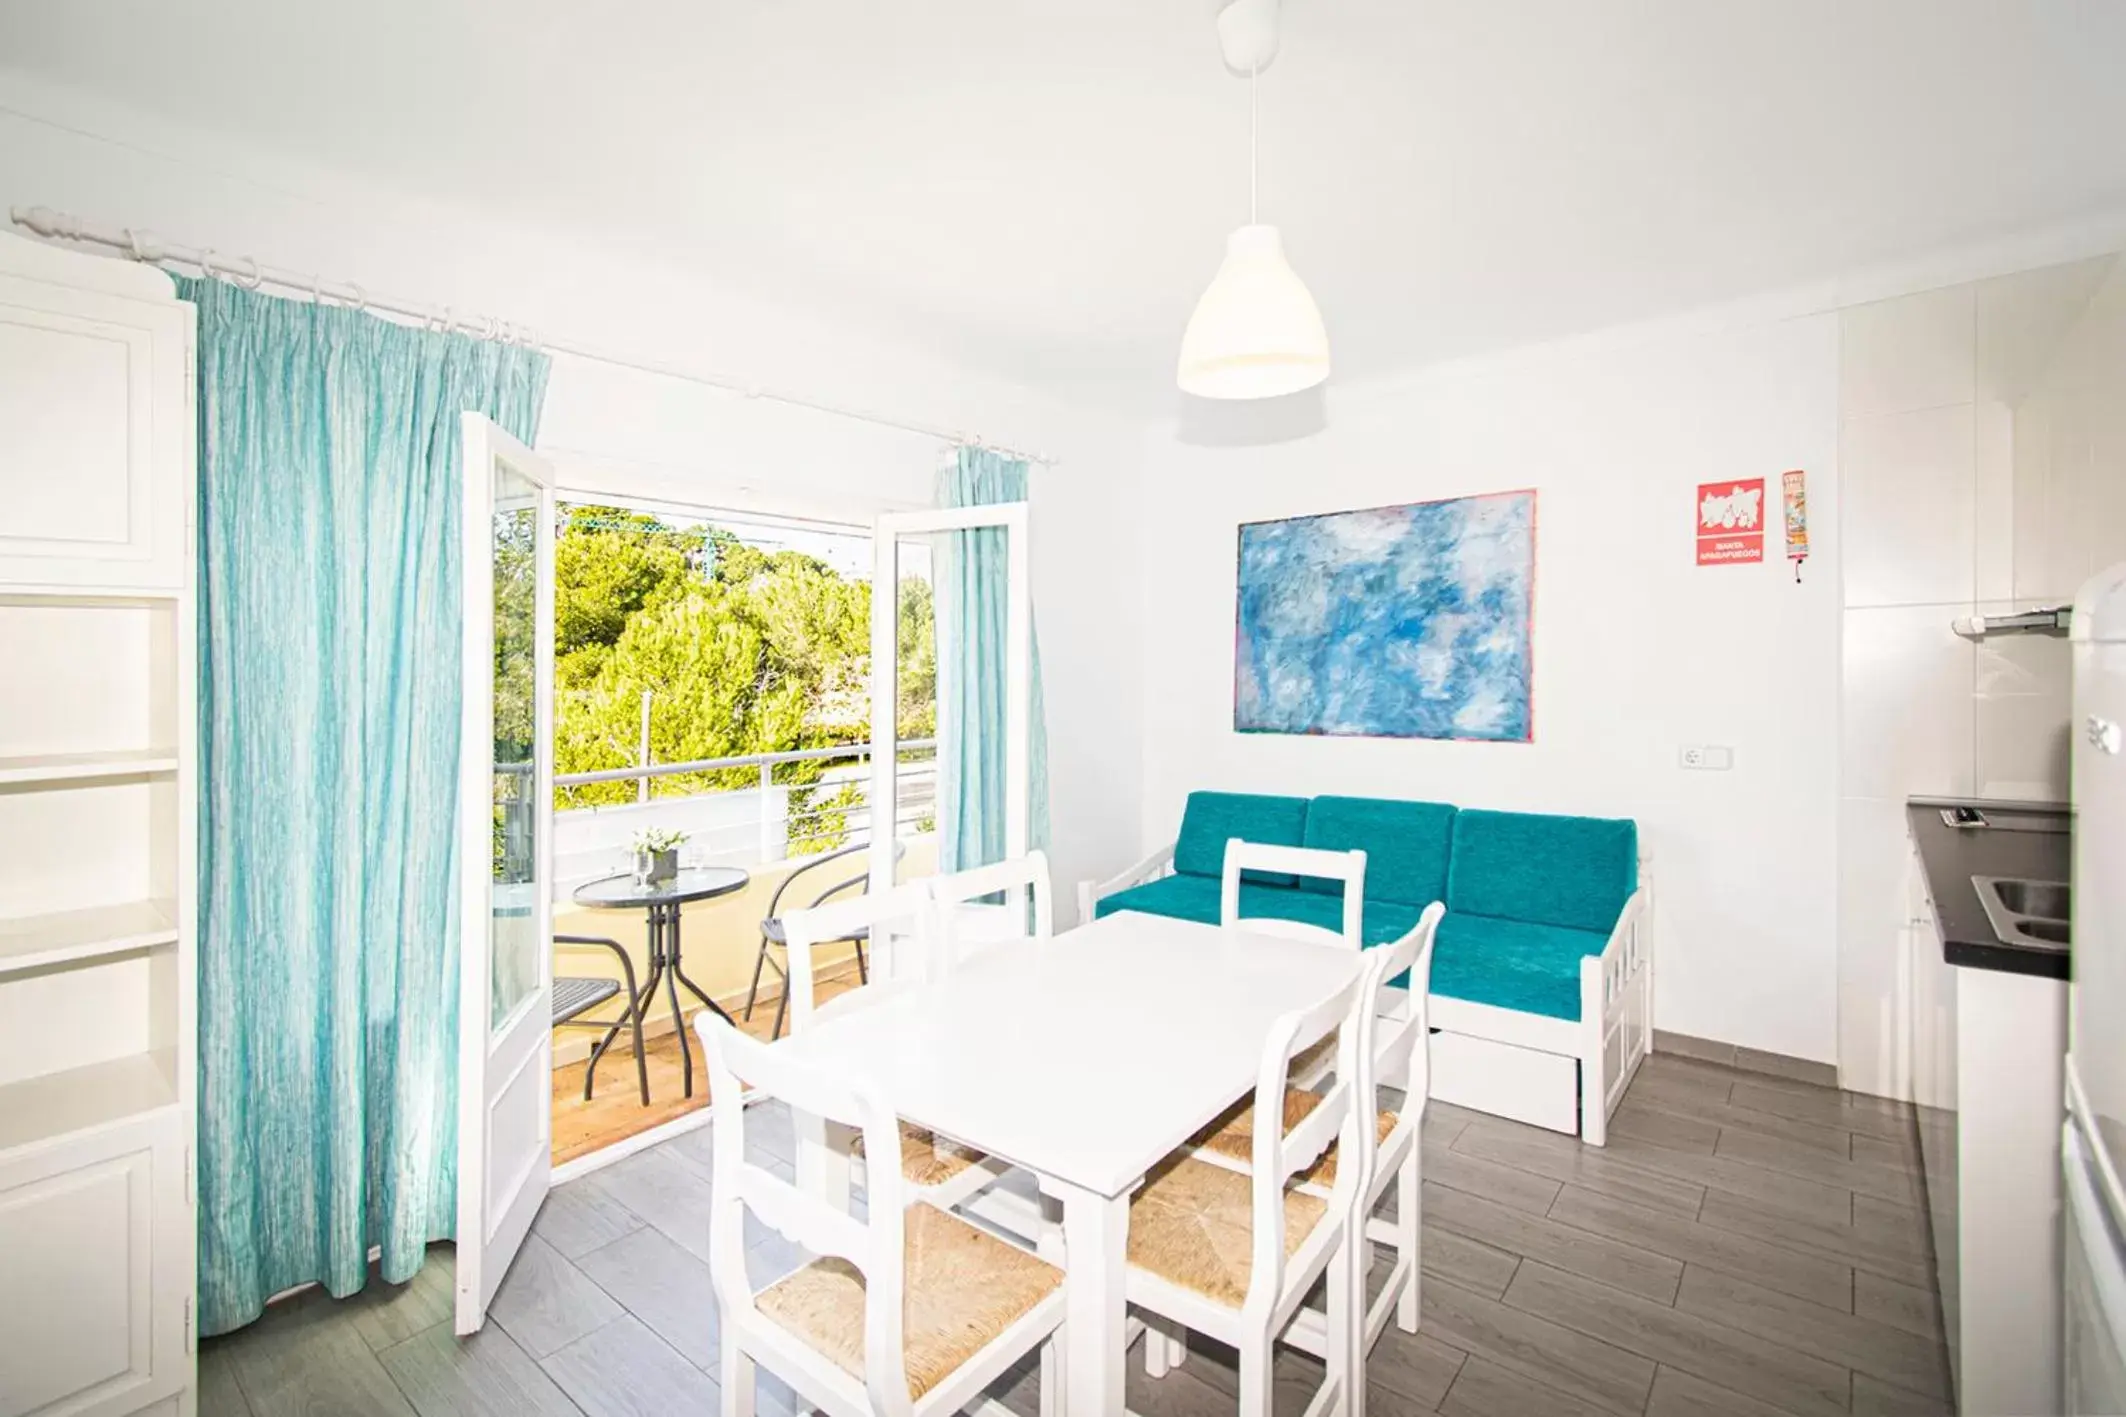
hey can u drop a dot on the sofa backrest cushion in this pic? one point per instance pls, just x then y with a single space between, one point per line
1213 818
1405 843
1571 871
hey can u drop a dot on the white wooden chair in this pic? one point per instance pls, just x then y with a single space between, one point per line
1394 1032
1232 1254
967 924
900 923
1347 867
906 1313
903 925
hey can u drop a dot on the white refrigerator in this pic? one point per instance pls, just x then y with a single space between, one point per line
2093 1147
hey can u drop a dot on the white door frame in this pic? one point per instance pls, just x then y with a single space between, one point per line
1011 519
504 1073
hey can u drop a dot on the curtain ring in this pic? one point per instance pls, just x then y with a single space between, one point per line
449 321
206 264
257 276
493 324
137 245
361 296
317 288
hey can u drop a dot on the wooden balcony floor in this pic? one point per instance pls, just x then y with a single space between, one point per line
615 1111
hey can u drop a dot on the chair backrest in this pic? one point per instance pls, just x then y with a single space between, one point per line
821 894
1279 1154
905 912
808 864
1346 867
1395 1027
965 926
873 1245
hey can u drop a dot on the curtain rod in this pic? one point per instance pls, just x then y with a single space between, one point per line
140 244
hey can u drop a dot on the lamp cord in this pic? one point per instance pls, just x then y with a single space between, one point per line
1254 131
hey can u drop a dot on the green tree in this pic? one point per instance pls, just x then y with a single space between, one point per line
610 563
745 651
917 633
706 662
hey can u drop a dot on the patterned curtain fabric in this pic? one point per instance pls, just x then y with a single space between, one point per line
329 646
971 590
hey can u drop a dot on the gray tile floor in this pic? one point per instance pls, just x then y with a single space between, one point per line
1746 1244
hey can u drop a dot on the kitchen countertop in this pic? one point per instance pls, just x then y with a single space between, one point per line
1951 856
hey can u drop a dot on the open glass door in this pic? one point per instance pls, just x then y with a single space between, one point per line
505 846
965 801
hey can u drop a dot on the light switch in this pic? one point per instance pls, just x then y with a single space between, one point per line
1706 758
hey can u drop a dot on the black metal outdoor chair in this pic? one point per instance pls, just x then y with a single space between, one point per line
771 930
575 996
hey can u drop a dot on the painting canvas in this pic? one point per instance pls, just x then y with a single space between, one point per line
1392 622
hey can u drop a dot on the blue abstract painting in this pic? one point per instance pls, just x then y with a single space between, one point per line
1393 622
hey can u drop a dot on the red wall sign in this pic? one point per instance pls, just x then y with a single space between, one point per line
1730 522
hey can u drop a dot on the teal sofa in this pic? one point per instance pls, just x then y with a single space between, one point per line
1541 980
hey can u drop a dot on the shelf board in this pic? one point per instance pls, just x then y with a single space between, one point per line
32 597
76 936
43 1108
74 767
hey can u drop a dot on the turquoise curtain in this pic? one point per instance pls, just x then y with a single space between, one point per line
328 707
969 569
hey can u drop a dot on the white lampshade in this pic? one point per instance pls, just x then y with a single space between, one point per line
1256 332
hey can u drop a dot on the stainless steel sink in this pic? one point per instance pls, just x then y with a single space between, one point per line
2051 931
2026 912
2041 898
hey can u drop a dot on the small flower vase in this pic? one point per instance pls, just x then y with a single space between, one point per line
656 867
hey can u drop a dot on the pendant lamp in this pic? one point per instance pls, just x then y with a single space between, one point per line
1256 333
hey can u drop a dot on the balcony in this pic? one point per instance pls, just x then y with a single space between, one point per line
770 829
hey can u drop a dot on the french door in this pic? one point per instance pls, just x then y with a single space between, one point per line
505 846
943 809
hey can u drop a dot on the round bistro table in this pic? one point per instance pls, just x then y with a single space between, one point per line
662 900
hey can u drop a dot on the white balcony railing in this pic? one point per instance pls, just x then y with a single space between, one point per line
746 826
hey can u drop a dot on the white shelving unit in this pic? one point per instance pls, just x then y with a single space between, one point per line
97 822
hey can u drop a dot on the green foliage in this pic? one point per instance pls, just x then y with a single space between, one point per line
917 704
610 563
515 605
744 651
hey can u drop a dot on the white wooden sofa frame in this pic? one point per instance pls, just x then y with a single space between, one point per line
1564 1074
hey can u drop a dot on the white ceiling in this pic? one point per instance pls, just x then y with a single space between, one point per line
1043 188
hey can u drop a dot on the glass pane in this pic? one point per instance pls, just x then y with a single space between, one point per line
514 942
913 815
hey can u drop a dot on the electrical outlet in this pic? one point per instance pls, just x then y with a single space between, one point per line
1706 758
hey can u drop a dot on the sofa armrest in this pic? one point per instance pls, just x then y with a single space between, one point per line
1091 893
1616 1003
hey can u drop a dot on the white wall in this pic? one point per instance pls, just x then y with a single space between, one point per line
626 432
1983 442
1637 650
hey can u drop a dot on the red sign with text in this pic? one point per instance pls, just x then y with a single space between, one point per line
1730 522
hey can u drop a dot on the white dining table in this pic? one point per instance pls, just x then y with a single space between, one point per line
1086 1059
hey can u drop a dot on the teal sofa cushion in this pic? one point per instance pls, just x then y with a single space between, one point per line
1214 817
1573 872
1381 921
1512 964
1405 843
1197 898
1182 897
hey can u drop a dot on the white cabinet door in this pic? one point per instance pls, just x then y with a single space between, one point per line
95 411
93 1232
